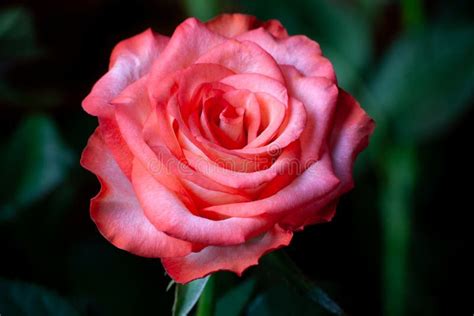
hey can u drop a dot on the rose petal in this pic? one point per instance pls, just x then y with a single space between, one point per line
290 130
350 136
117 213
319 95
167 212
316 212
131 59
231 25
316 183
272 115
233 258
242 57
190 41
298 51
243 180
258 83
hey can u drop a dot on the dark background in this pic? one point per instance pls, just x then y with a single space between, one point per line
401 243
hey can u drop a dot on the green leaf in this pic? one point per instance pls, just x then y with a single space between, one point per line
232 303
33 163
19 298
187 295
425 82
17 35
205 305
282 266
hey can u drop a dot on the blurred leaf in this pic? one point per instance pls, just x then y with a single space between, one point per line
19 298
187 295
33 163
425 82
17 36
286 269
233 302
202 9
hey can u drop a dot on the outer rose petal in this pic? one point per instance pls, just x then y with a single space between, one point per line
190 41
317 183
117 213
243 57
234 258
169 214
231 25
350 136
298 51
319 95
131 59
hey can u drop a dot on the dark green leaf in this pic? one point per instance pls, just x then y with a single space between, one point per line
232 303
33 163
187 295
23 299
425 82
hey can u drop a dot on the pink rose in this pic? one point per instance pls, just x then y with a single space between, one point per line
214 145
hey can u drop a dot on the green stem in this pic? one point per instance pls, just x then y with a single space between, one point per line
206 301
396 201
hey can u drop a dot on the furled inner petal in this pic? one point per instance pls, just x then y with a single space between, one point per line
231 122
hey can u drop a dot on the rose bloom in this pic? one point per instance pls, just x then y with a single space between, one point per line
215 144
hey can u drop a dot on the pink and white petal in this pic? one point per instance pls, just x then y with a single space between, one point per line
231 25
319 95
273 114
193 78
352 128
131 59
243 57
232 258
298 51
317 183
117 213
206 197
275 28
316 212
290 131
167 212
258 83
191 40
112 137
243 180
132 133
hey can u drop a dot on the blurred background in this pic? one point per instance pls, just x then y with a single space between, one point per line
401 242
